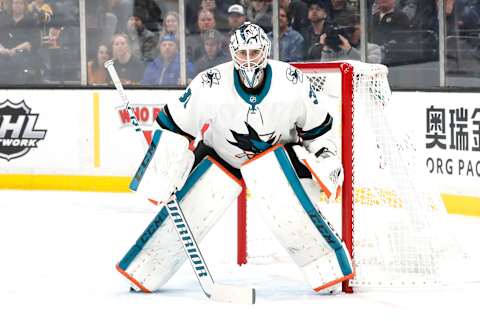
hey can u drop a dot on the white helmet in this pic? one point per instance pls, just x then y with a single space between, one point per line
250 49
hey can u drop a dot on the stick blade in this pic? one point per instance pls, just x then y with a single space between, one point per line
233 294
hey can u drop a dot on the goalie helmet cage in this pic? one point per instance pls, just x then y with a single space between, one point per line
391 223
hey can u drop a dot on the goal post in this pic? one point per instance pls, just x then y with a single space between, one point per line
390 222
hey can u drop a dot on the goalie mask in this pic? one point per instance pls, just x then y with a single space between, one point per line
250 48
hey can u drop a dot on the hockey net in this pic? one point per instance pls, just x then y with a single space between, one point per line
390 221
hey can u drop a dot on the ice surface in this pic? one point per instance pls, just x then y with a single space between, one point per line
59 249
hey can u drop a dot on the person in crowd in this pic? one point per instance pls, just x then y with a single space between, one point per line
206 21
170 24
152 18
291 41
19 40
96 72
165 69
220 17
4 5
298 12
349 48
388 23
214 53
260 12
143 41
41 11
236 18
340 12
422 14
218 8
129 68
409 7
317 16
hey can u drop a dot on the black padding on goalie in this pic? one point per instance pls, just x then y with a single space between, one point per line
301 170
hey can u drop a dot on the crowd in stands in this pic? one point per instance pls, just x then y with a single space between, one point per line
39 39
28 31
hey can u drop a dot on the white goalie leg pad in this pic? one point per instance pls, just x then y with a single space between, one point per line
158 252
164 168
295 221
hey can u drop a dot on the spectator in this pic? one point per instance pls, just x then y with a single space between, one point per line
143 41
349 47
152 18
41 11
214 53
317 16
52 39
220 18
260 13
298 12
170 24
165 69
218 8
340 13
422 14
388 24
19 39
129 68
206 21
409 7
291 41
236 18
96 72
4 5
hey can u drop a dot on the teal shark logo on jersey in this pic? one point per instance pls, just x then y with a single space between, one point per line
294 75
252 143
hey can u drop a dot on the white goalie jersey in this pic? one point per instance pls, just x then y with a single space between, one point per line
241 124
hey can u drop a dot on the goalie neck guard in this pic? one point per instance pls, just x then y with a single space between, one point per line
250 49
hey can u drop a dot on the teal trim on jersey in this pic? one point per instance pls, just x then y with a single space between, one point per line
152 228
165 122
137 178
249 98
316 217
317 131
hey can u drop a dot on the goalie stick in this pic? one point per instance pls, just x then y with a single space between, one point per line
212 290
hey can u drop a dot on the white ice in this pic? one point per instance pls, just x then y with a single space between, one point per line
59 250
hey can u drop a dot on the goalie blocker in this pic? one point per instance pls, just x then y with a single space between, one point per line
295 221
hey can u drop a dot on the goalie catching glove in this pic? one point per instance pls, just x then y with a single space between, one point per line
325 167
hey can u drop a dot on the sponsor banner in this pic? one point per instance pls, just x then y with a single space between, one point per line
445 128
74 132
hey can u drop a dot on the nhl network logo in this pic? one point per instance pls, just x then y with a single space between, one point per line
17 130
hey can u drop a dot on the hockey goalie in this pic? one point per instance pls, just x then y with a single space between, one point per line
247 117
